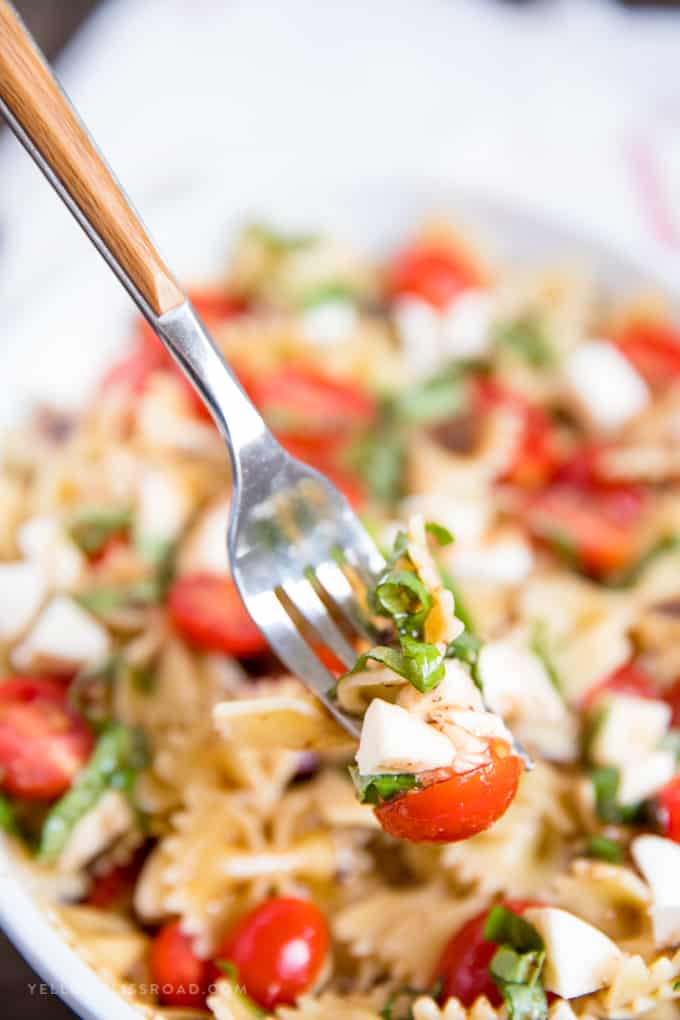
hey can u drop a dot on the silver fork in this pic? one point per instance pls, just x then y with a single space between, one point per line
289 526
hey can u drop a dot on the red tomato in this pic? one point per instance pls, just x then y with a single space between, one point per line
43 742
278 950
456 805
182 978
583 468
599 526
668 802
672 699
463 967
115 886
536 458
653 348
434 273
207 610
311 409
628 679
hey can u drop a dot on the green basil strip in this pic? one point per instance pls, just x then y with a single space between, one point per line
230 971
376 789
466 648
119 755
526 337
433 401
606 784
8 821
604 849
525 1002
91 527
441 534
403 596
517 964
505 927
541 648
462 611
419 662
106 599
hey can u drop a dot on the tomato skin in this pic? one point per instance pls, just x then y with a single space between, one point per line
536 458
463 966
182 977
278 949
457 806
668 807
672 699
115 886
434 273
601 526
208 611
653 348
628 679
43 742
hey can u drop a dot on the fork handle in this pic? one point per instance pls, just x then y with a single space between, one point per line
47 125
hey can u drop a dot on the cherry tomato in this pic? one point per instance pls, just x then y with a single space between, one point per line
598 527
278 950
653 348
672 699
583 467
536 460
43 742
668 805
182 977
114 887
628 679
311 409
435 273
456 805
463 967
207 610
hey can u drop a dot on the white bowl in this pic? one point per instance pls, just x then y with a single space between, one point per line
52 354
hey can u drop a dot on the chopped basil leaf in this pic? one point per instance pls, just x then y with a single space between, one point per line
605 782
420 663
466 647
8 822
403 596
505 927
433 401
525 1002
604 849
230 971
91 528
462 611
442 535
119 755
379 788
333 290
540 647
517 968
526 337
107 599
379 457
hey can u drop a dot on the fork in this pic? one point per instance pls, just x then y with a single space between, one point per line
289 528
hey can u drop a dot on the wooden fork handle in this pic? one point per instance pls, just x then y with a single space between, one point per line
42 116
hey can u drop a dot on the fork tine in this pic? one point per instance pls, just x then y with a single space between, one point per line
284 637
307 602
335 584
364 555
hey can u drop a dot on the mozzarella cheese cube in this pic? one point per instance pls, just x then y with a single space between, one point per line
631 728
579 958
392 740
42 539
418 326
604 384
23 587
641 779
659 861
507 559
330 321
466 325
163 506
64 637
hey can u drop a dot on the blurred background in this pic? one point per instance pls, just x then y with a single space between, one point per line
570 106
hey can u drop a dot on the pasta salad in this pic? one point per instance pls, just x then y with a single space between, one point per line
503 843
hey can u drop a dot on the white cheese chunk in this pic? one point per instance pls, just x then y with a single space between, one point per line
205 547
43 540
517 686
466 325
163 506
418 327
659 861
97 830
640 780
507 559
23 587
604 384
64 637
392 740
631 728
579 958
330 321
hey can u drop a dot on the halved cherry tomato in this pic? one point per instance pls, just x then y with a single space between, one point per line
629 679
181 976
668 806
536 459
114 887
583 467
312 410
434 273
43 742
278 950
599 527
653 348
456 805
463 967
672 699
207 610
